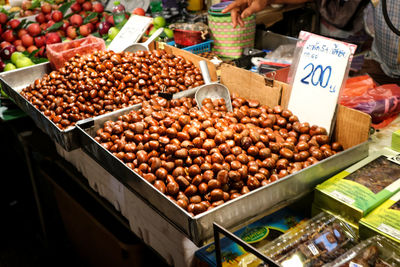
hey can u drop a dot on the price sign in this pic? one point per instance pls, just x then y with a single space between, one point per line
131 33
319 76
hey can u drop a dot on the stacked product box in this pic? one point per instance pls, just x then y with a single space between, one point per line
258 234
356 191
384 220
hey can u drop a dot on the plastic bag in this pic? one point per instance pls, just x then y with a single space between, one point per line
381 102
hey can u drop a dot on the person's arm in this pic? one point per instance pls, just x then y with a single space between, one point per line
241 9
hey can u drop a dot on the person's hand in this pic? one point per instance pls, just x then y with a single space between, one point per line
241 9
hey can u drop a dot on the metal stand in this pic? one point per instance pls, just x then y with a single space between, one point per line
221 230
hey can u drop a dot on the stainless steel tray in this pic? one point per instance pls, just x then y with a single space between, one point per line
231 214
14 81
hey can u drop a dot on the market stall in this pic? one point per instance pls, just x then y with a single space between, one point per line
151 131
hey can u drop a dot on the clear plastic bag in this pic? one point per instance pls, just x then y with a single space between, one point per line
315 242
375 251
381 102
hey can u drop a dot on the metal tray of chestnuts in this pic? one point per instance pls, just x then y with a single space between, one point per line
233 213
14 81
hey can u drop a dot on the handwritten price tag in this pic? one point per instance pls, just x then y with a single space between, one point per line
321 70
131 33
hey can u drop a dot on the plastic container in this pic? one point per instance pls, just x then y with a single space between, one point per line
315 242
197 49
195 5
60 53
187 37
375 251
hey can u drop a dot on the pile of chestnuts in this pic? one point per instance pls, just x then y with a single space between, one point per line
202 158
104 81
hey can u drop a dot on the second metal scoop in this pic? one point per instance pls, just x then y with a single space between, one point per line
211 90
144 46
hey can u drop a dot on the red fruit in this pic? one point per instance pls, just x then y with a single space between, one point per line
104 27
90 26
2 65
6 52
1 30
81 1
48 17
61 33
83 14
98 7
40 41
17 42
50 23
52 38
76 7
110 20
8 36
4 44
139 11
34 29
71 32
20 48
21 33
27 40
84 30
65 25
57 15
43 26
26 5
46 8
31 49
87 6
3 18
14 23
76 20
40 18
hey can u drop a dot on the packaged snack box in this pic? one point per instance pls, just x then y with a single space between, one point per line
356 191
315 242
384 220
257 234
375 251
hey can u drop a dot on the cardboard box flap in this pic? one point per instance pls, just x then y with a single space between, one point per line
240 80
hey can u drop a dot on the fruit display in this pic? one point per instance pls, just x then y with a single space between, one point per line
202 158
101 82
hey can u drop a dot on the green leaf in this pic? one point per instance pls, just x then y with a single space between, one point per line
68 16
55 26
96 34
35 4
90 17
12 15
64 8
32 54
118 18
38 60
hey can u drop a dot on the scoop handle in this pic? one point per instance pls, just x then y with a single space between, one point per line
154 36
205 72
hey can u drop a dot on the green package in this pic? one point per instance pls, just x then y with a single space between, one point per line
356 191
384 220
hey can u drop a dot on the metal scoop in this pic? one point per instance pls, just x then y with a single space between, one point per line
213 90
144 46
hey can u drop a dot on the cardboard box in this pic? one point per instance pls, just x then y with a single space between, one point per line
384 220
257 234
356 191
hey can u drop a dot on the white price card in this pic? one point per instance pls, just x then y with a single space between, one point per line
130 33
321 71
